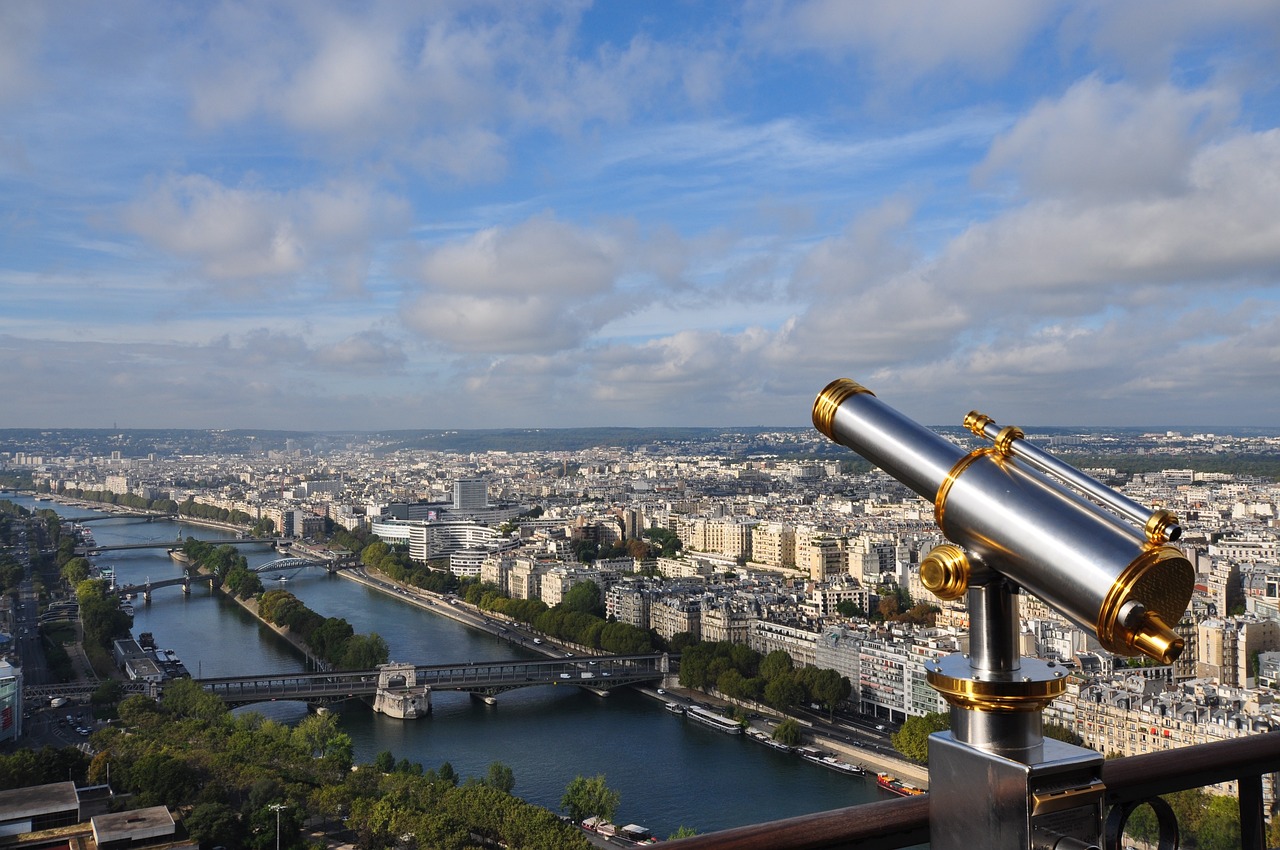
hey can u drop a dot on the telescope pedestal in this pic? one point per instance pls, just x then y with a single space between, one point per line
995 782
981 799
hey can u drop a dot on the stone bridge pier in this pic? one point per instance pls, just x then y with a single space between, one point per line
399 694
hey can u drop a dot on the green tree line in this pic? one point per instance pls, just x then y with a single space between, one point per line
227 773
739 672
330 638
126 500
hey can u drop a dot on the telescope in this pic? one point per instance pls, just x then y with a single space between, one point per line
1017 518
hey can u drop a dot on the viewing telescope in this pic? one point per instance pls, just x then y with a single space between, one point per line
1018 518
1011 510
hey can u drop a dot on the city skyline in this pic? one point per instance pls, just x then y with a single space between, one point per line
322 217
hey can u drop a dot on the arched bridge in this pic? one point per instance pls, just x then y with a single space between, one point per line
187 578
403 690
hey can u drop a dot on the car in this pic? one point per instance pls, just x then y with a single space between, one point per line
879 727
661 692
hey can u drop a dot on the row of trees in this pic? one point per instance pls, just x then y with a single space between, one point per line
192 508
127 500
229 773
577 619
330 638
395 564
100 616
739 672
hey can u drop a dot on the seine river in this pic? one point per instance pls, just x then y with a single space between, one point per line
668 771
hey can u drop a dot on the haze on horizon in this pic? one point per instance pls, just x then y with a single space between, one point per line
325 216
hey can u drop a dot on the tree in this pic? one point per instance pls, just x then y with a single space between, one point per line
214 824
783 691
775 664
584 597
828 687
185 698
75 571
364 652
682 831
788 732
500 777
912 740
590 797
848 608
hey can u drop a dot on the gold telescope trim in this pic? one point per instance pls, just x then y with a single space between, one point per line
1004 440
830 399
1157 527
945 572
1159 583
1006 694
978 422
940 500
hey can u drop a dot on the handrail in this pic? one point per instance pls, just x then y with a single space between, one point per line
872 826
890 824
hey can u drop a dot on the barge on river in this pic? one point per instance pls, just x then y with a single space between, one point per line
716 721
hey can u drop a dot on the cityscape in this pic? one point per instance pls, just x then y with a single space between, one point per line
777 540
542 425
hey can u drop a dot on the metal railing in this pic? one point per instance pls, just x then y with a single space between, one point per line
901 823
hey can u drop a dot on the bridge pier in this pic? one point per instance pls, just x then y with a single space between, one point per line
399 694
186 586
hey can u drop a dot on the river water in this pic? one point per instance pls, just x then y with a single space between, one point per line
669 771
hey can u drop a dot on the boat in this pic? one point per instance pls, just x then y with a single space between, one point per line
674 707
282 579
894 785
636 834
765 738
715 721
832 763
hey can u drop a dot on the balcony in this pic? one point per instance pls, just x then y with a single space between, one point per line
1130 781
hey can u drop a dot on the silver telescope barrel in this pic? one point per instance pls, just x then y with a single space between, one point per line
1015 520
1160 526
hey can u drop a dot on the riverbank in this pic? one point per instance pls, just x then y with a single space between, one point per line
251 606
459 611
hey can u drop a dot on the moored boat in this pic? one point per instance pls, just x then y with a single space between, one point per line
832 763
674 707
764 738
894 785
715 721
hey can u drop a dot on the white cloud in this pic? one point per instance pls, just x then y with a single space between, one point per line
908 39
247 234
1110 140
540 286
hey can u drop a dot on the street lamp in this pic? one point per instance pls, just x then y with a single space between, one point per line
276 807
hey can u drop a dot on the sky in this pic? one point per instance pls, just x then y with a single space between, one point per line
320 215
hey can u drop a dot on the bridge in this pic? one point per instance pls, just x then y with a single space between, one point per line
177 544
185 580
143 515
404 690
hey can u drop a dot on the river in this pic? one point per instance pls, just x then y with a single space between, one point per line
669 771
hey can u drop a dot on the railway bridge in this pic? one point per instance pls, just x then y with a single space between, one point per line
404 690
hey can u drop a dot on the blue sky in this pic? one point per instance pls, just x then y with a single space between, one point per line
323 215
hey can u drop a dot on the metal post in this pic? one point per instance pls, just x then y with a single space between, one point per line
277 807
